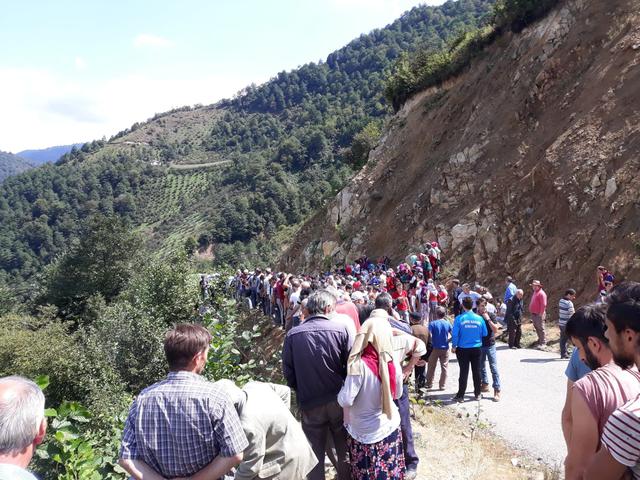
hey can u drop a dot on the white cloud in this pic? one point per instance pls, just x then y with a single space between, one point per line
41 109
80 63
147 40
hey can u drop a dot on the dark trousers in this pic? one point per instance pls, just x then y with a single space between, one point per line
515 332
563 341
317 424
421 372
466 357
410 456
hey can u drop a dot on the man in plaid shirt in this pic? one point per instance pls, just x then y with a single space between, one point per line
183 424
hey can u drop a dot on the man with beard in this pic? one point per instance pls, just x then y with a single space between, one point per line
621 437
184 423
598 394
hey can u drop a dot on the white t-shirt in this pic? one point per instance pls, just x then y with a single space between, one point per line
472 295
14 472
621 436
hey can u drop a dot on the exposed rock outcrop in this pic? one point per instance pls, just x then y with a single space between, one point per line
526 164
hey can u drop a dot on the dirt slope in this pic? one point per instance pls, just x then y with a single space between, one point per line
526 164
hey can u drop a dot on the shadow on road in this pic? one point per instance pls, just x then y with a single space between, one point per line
542 360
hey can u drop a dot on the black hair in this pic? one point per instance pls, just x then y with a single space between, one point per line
624 306
588 321
569 291
384 301
467 302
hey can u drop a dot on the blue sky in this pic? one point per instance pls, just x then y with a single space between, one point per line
77 70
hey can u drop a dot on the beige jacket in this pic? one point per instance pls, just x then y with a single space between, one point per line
278 448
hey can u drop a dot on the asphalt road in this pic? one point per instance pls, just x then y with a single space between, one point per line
528 415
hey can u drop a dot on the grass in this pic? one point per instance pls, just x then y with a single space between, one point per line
460 449
530 337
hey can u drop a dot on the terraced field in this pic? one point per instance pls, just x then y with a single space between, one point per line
170 211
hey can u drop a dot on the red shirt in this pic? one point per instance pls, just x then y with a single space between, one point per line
403 305
279 289
349 309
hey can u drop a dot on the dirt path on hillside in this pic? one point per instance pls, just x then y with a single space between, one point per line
528 416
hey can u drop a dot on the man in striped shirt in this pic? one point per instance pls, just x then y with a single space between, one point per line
620 452
565 310
599 393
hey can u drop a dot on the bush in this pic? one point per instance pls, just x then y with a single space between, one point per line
31 347
515 15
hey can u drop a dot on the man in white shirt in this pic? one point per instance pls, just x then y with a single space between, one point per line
468 293
22 426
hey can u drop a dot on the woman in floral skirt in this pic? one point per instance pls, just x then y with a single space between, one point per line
371 418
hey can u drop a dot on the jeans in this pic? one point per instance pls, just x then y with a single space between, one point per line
563 341
410 456
317 424
466 357
490 354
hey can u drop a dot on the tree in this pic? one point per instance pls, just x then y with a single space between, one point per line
101 262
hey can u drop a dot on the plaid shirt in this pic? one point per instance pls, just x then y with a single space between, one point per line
180 425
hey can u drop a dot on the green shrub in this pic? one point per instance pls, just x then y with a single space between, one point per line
515 15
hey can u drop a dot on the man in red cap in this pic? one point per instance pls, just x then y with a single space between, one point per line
537 309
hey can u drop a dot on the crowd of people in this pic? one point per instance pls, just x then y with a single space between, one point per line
354 338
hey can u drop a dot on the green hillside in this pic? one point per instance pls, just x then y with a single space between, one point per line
11 164
238 174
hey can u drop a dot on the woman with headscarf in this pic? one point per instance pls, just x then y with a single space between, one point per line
372 420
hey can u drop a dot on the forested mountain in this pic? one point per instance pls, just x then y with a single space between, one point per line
11 164
237 175
47 155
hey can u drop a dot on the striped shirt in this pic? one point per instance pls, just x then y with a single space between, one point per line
606 389
622 436
565 311
181 424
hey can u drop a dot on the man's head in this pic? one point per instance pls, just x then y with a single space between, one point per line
482 305
295 284
186 347
321 302
467 303
384 301
398 285
586 330
509 280
520 293
441 312
570 294
358 298
536 285
623 323
466 288
22 422
415 318
455 282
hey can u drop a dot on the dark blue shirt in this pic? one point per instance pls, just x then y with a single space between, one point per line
314 360
440 330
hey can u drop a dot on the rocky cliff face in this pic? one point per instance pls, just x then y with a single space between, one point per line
527 164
